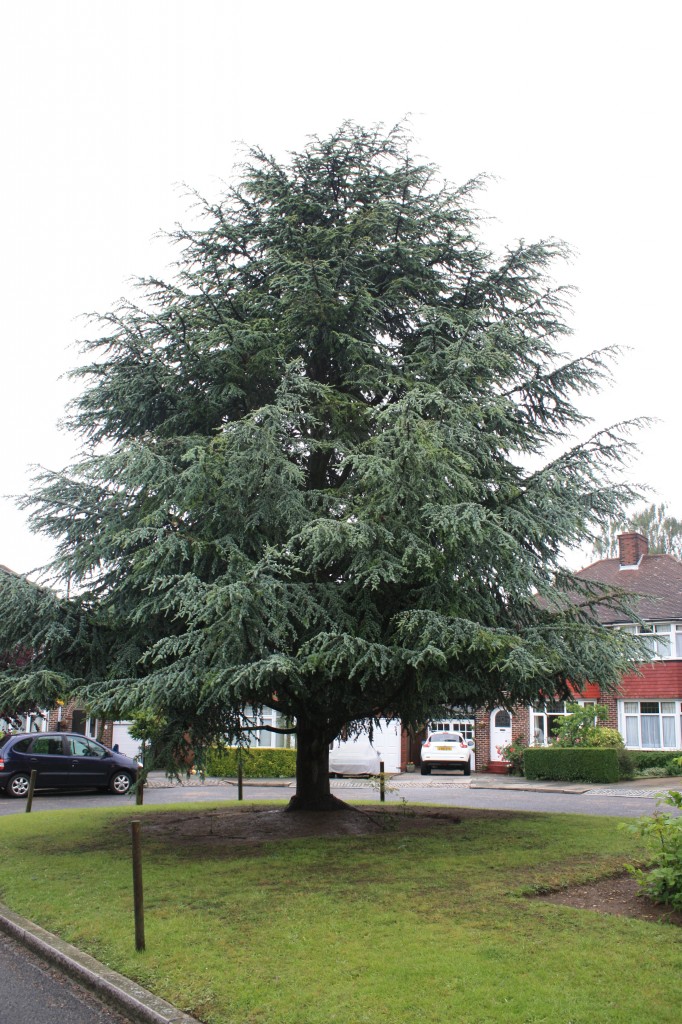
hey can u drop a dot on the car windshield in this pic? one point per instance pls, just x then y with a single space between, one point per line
445 737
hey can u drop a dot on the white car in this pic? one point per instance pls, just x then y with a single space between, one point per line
445 750
353 762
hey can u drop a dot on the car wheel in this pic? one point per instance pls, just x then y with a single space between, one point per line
120 783
467 768
18 785
426 769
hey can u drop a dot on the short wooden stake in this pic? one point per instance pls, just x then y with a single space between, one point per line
31 789
139 791
382 783
240 777
138 900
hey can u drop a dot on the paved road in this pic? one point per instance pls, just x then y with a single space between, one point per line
451 790
31 992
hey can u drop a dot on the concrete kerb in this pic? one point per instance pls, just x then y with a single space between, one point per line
123 994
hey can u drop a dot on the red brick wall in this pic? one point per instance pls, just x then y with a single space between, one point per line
631 547
105 732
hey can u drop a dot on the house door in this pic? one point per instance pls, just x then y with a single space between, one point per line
500 732
78 721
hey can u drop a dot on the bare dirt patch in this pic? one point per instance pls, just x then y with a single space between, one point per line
620 896
257 824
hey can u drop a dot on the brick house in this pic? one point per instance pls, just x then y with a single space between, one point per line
647 707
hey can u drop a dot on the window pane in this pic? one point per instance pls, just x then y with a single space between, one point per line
650 640
651 731
502 720
662 647
538 730
678 643
669 732
631 732
631 707
47 745
667 707
649 707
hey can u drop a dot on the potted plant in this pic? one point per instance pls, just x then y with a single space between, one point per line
410 766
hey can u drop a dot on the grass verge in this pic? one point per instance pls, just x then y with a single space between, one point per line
400 927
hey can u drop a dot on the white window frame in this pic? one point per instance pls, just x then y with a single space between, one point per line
539 723
664 638
638 726
261 736
463 725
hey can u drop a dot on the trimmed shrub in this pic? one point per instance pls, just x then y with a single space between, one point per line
626 766
572 764
257 763
642 759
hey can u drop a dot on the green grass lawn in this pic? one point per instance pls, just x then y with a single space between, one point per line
400 928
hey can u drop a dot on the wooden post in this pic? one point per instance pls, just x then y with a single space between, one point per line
382 783
31 789
240 776
139 790
137 886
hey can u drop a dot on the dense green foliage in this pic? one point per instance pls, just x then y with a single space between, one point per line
663 532
305 470
664 759
661 878
572 764
581 728
257 763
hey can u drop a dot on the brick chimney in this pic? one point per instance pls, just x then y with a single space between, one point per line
631 548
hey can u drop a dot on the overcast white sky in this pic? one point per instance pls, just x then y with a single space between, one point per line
107 106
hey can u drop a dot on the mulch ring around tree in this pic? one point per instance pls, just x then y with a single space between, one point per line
620 895
257 824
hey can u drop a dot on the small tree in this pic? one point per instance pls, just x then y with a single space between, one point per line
304 480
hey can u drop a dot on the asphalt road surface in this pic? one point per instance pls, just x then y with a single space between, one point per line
450 790
31 992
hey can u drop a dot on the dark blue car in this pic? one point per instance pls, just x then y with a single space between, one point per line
63 760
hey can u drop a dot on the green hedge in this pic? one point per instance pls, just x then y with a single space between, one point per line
572 764
656 759
257 763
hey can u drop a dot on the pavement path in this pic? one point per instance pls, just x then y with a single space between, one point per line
638 789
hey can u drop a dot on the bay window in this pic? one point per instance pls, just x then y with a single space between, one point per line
651 724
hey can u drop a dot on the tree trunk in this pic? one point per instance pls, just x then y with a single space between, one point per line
312 771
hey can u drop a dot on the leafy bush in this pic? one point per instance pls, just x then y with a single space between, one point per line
661 878
513 753
572 764
578 728
655 772
668 759
258 763
603 736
